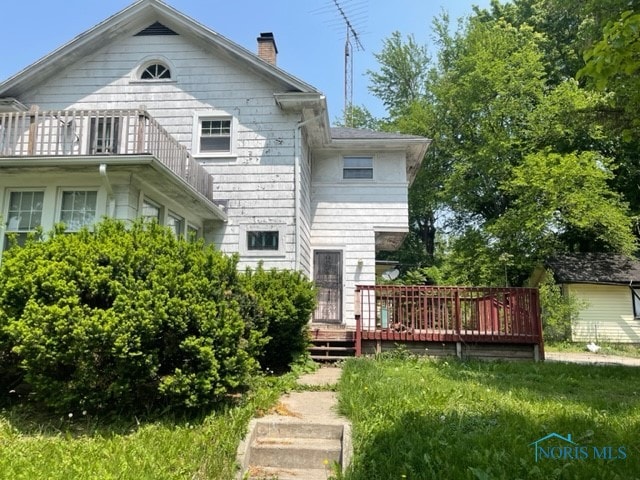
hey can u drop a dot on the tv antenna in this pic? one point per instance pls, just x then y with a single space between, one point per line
351 13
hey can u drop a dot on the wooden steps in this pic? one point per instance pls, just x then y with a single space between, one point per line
331 343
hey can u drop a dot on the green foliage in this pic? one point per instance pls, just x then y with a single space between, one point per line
403 67
124 318
559 311
168 447
285 301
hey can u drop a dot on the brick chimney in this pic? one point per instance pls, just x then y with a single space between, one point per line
267 49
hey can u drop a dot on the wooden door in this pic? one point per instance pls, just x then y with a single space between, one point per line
327 267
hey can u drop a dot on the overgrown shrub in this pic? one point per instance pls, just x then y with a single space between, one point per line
124 318
285 300
559 311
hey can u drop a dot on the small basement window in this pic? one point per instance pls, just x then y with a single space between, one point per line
357 168
266 240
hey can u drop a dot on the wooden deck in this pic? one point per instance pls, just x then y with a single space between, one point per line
468 321
67 133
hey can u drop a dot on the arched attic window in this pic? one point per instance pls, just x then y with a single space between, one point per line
155 71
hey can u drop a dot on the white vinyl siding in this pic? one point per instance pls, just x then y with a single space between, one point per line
608 315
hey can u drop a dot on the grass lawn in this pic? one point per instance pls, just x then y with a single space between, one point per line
423 419
80 447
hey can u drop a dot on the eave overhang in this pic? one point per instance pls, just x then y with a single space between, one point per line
148 165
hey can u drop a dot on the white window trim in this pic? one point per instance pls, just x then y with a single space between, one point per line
198 117
358 180
263 227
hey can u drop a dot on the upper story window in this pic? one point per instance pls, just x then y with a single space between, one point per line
214 134
357 168
156 71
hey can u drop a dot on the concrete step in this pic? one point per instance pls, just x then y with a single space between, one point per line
298 430
295 452
262 473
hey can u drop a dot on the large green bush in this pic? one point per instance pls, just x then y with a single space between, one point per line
124 318
285 301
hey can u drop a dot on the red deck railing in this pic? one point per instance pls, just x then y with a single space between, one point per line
98 132
447 314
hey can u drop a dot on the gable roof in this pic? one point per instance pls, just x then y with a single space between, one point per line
130 21
599 268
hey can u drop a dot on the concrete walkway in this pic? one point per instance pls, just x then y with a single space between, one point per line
591 358
301 437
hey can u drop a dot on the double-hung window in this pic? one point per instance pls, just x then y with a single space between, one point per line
357 168
24 214
78 209
214 134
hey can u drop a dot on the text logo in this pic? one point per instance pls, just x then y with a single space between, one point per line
564 448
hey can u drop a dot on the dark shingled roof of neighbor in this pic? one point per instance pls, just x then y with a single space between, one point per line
605 268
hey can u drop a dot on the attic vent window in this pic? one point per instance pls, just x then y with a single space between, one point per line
155 29
156 71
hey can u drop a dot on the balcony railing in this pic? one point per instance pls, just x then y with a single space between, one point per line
448 314
98 132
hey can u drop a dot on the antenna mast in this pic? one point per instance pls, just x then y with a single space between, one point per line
350 13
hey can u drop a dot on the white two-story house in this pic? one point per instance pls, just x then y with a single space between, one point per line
151 114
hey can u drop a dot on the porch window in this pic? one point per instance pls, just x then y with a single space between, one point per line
24 215
635 297
192 233
264 240
78 209
150 211
357 168
103 138
175 223
215 135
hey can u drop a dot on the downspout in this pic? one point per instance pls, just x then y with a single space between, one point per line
107 185
297 145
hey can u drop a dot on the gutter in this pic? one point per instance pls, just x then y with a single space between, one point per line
297 180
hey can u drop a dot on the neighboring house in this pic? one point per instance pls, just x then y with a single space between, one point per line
609 287
151 114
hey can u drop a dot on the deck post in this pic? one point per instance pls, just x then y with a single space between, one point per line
357 309
33 130
140 132
459 350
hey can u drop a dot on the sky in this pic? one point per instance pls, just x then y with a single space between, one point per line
309 34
